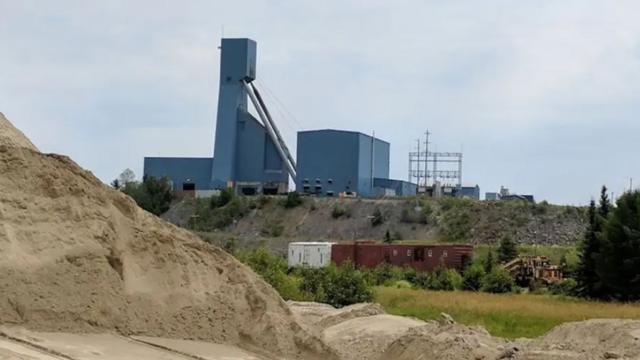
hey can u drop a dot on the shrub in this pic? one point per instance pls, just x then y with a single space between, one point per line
507 250
567 287
498 281
346 286
272 229
338 286
263 201
152 194
273 269
473 278
377 218
338 211
292 200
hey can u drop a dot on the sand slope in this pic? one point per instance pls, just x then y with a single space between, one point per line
78 256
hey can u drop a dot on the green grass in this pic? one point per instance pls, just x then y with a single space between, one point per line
505 315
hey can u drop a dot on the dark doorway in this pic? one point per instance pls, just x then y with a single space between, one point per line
248 191
188 187
270 191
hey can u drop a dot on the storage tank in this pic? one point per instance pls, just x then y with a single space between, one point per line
309 254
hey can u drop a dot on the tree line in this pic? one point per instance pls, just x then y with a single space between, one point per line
609 264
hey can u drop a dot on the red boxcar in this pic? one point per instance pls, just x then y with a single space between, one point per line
421 257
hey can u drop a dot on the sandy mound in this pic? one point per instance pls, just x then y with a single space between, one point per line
366 337
10 136
447 342
592 339
78 256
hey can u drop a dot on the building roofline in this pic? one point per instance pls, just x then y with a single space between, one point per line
343 131
178 157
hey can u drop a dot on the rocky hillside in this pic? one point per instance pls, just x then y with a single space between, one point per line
444 220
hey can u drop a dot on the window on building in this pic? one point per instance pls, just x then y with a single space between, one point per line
444 253
409 253
430 253
418 255
395 252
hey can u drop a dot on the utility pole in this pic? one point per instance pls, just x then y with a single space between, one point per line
426 160
418 172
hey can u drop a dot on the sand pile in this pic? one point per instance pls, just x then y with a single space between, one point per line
10 136
364 331
78 256
592 339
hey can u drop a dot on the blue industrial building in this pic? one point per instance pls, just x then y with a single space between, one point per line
184 173
249 155
391 187
331 162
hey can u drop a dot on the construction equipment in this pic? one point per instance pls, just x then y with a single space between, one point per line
527 269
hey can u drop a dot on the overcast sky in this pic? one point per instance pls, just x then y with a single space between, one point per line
543 96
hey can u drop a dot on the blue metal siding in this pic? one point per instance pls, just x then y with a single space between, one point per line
257 157
380 162
326 155
401 188
238 62
180 170
342 156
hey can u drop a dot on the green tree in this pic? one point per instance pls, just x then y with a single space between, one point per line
498 281
292 200
619 263
346 285
387 237
377 218
507 250
588 280
153 194
473 277
489 262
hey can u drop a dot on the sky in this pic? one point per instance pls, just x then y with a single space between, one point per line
542 96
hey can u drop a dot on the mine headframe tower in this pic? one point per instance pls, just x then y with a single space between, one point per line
250 156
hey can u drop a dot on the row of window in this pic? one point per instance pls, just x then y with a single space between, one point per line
318 181
418 255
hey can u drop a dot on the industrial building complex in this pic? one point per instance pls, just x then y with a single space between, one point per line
251 156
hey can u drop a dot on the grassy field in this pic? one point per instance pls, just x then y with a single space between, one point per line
509 315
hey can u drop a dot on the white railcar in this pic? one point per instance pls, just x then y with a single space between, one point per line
310 254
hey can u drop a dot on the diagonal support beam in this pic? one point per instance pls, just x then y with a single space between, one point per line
272 134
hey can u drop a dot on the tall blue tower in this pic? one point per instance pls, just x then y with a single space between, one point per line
249 155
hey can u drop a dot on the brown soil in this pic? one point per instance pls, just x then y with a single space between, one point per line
78 256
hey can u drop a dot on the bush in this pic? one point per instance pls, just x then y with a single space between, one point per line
507 250
441 279
473 278
272 229
152 194
498 281
273 269
567 287
226 196
292 200
338 286
338 211
377 218
346 286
